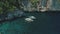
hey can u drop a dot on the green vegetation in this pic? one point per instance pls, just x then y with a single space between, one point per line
10 5
34 2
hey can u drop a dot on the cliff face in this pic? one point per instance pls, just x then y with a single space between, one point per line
50 4
10 5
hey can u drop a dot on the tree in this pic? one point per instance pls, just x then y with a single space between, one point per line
9 5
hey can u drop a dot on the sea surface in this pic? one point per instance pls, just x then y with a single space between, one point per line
45 23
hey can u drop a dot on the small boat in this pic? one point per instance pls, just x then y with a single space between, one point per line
32 17
29 20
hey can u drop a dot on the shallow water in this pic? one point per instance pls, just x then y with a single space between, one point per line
45 23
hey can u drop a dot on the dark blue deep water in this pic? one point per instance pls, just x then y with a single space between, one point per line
45 23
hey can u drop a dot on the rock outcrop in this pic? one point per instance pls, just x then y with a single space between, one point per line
12 15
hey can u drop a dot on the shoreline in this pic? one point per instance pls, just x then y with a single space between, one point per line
3 19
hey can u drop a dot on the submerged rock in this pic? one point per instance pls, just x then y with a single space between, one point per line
2 18
19 13
9 16
12 15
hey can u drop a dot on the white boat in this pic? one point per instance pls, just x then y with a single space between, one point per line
29 20
32 17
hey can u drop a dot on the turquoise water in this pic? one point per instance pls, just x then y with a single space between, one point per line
45 23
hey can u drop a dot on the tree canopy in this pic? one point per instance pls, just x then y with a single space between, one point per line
10 5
